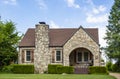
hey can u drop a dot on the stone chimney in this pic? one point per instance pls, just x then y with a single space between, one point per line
41 55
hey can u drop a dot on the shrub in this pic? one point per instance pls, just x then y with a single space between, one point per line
108 66
7 69
115 68
65 69
23 69
98 70
59 69
52 69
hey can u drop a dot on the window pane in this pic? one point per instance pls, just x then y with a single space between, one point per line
79 56
58 55
85 56
28 56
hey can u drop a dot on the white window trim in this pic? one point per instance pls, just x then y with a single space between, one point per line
82 56
60 55
25 56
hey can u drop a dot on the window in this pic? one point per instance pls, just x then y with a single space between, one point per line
85 56
28 55
58 55
79 56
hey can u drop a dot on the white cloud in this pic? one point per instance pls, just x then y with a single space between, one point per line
89 2
97 15
102 31
10 2
91 18
54 25
71 3
102 8
41 4
99 9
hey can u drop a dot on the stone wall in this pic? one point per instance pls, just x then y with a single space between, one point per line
41 55
78 40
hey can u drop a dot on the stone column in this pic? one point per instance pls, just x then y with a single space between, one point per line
41 55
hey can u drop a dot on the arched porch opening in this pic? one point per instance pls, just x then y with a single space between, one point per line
81 57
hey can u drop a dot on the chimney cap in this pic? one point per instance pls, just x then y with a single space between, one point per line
42 22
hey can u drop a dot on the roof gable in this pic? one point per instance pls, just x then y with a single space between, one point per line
57 37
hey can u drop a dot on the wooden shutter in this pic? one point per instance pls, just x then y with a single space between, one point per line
23 56
32 56
53 56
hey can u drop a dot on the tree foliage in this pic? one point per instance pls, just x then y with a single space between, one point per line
8 42
113 32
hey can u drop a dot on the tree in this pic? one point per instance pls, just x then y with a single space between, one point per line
113 33
9 39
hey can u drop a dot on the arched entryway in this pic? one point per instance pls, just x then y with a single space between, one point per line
80 56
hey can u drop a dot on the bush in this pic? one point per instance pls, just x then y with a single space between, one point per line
115 68
23 69
52 69
7 69
65 69
59 69
108 66
98 70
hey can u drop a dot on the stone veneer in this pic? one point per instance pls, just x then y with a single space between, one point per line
81 40
41 55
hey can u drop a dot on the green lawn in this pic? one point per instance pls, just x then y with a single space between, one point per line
53 76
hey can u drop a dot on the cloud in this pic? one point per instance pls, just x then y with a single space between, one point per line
71 3
10 2
41 4
54 25
97 15
89 2
102 31
97 18
99 9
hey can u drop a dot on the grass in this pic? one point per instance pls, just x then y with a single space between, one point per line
53 76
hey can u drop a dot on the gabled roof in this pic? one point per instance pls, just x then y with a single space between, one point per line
57 37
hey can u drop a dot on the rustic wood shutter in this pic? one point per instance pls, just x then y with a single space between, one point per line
23 56
53 56
32 56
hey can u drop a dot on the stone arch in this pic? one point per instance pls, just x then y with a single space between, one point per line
67 51
73 57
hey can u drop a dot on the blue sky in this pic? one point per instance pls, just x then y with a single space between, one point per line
57 13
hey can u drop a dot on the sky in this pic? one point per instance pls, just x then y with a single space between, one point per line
58 14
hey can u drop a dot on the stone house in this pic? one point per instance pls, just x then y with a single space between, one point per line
67 46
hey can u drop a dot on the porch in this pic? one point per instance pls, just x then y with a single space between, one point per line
81 59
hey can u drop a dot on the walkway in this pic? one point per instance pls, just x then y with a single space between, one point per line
117 75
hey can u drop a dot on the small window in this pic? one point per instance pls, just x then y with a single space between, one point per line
85 56
79 56
58 55
28 56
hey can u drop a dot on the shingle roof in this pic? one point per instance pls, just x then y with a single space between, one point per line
57 37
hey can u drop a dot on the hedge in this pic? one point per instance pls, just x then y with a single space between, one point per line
65 69
98 70
59 69
23 69
52 69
